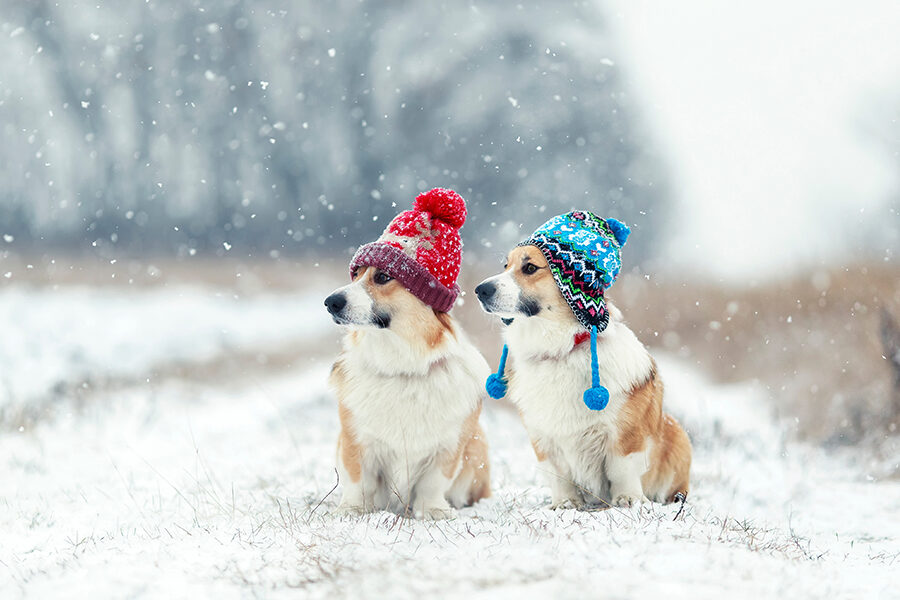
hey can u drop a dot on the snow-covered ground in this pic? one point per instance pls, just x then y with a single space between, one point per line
53 338
195 486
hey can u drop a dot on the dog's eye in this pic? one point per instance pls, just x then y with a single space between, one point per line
529 269
382 278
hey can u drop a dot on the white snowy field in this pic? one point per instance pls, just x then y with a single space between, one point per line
54 338
220 482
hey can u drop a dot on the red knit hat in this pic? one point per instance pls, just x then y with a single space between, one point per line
421 248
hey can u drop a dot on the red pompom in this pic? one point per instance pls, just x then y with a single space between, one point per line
443 205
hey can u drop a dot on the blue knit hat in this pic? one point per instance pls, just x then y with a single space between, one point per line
584 255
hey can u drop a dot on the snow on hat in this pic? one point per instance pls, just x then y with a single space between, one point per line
584 255
421 248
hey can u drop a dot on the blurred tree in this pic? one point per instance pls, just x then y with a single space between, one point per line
163 126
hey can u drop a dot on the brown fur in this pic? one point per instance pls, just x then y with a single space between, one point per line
538 453
451 462
540 285
434 335
349 450
671 454
413 320
471 460
643 419
475 468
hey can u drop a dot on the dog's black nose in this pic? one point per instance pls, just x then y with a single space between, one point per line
485 290
335 303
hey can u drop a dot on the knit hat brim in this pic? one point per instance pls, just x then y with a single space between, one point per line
411 275
587 304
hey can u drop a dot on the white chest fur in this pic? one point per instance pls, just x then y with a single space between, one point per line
549 378
408 407
551 373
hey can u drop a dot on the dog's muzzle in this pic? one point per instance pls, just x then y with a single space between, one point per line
335 303
485 291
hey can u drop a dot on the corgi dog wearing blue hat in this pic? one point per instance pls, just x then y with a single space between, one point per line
587 389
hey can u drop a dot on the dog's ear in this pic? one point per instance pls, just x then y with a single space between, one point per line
619 229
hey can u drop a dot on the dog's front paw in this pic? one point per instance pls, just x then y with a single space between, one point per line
627 500
350 510
567 504
437 513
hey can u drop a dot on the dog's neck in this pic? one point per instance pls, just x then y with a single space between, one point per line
545 339
535 337
387 353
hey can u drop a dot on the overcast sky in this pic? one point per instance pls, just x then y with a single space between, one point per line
779 122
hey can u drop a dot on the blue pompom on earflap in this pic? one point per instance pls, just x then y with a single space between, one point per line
619 229
496 383
495 386
596 398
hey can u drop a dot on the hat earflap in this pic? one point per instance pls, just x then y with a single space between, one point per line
496 383
597 397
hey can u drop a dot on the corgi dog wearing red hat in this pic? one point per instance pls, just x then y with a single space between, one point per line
588 391
409 384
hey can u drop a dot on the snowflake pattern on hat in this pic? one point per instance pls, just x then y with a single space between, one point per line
584 254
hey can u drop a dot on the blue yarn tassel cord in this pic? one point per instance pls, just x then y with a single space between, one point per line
496 383
597 397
